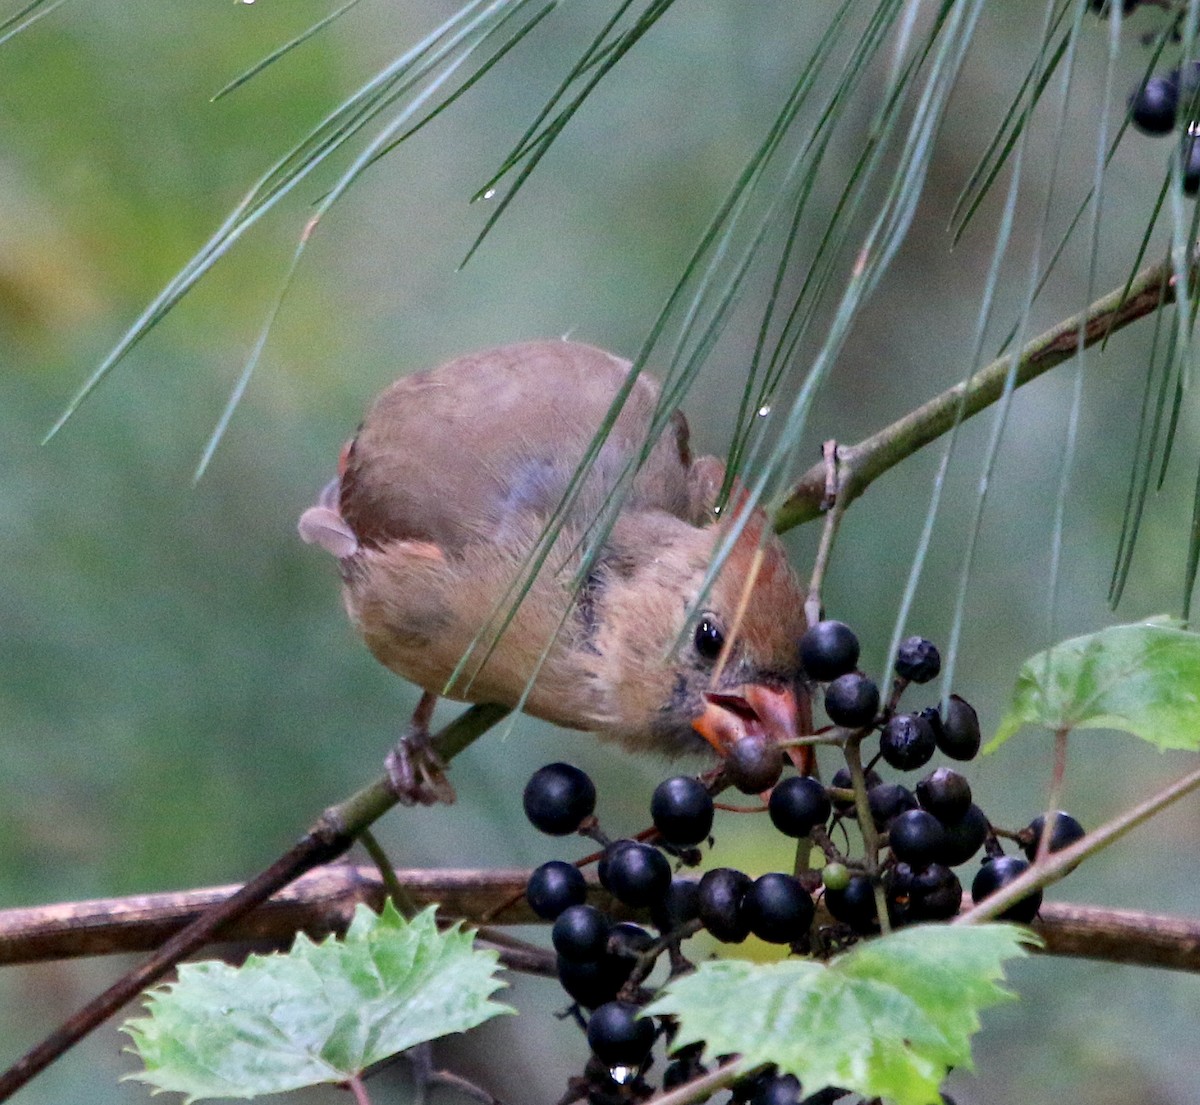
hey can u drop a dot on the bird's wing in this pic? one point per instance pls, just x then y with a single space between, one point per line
454 454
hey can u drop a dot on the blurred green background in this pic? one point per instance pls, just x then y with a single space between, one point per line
179 691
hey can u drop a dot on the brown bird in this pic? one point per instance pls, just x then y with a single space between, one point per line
443 495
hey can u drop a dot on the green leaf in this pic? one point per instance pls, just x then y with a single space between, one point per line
1143 679
887 1019
320 1013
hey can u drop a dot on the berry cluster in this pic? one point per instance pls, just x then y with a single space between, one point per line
909 851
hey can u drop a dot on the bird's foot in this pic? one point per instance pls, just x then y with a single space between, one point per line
417 773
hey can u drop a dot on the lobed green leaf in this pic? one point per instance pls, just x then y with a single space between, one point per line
1142 679
887 1019
321 1013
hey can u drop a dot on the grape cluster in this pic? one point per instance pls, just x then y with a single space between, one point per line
916 839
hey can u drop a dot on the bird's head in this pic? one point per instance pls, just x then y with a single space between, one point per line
735 670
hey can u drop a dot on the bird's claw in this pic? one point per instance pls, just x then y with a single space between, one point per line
417 773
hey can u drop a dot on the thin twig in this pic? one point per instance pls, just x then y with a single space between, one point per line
1056 865
860 465
402 900
832 503
699 1089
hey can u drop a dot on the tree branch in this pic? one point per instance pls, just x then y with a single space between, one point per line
332 833
860 465
323 901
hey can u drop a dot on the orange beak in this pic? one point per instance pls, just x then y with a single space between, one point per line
757 710
752 710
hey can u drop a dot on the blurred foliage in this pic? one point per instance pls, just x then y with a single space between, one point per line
179 691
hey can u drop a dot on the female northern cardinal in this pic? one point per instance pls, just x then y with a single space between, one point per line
440 500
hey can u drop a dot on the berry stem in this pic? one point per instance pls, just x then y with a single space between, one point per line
822 840
859 465
647 959
899 686
831 502
401 898
358 1088
1054 797
866 823
813 739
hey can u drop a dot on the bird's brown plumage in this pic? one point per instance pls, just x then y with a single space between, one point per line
448 486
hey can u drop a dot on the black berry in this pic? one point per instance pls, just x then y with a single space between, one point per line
628 941
918 660
1154 106
778 908
888 801
754 764
996 874
854 906
958 735
781 1089
558 797
798 804
917 838
634 873
907 742
841 781
1065 832
606 858
899 883
619 1036
827 650
964 837
744 1089
852 700
1191 166
553 887
935 894
721 894
581 933
593 982
944 793
682 810
679 1071
680 904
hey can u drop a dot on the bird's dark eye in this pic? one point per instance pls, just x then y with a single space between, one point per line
709 639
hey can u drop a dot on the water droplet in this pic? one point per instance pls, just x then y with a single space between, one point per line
716 510
764 410
489 193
